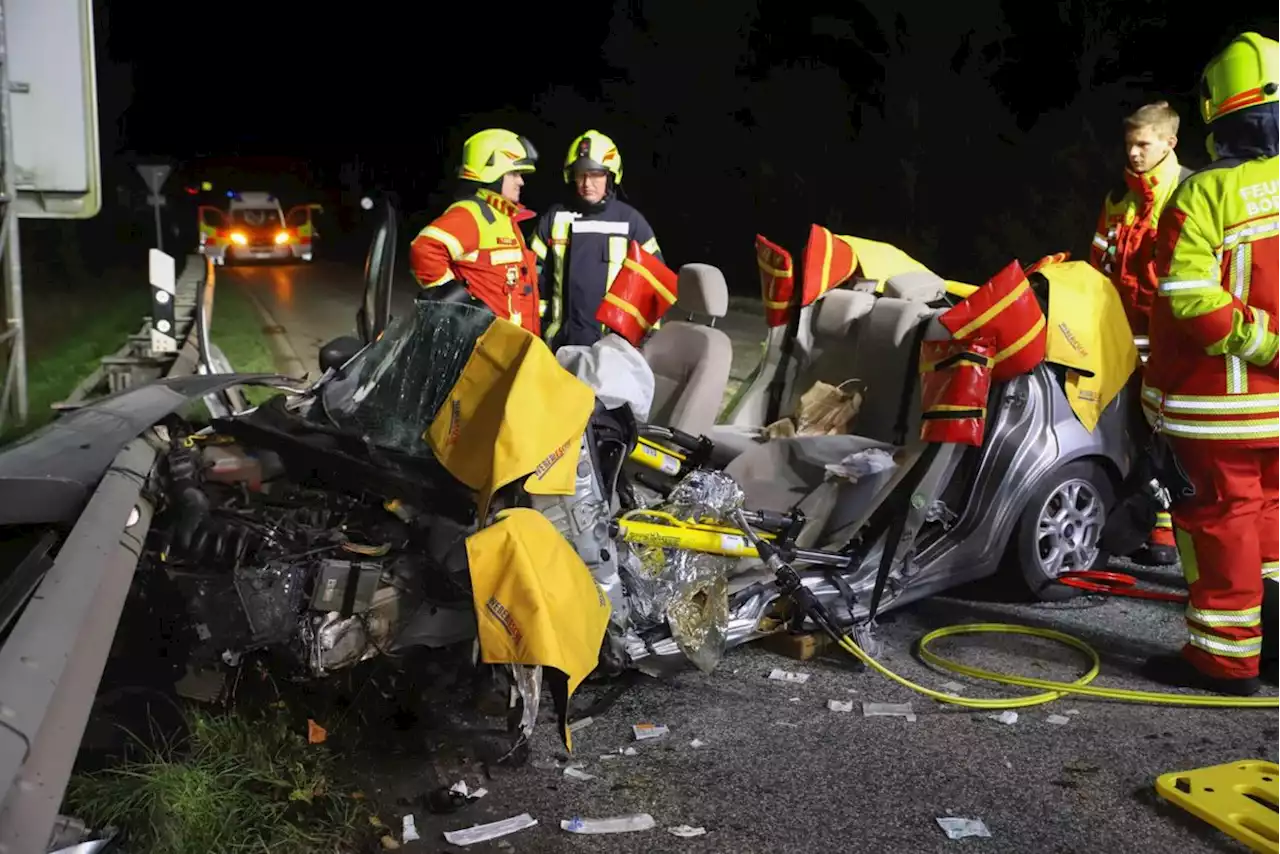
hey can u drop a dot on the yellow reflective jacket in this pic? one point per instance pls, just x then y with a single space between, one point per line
1212 372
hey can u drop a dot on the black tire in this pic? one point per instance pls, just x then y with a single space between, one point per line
1028 545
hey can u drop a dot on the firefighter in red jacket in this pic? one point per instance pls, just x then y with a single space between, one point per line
1211 382
476 243
1124 246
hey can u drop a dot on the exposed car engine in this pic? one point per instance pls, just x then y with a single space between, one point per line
264 561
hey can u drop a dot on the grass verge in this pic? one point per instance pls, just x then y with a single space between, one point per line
67 335
237 331
234 784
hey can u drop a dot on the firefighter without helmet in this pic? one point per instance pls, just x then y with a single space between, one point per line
492 153
594 152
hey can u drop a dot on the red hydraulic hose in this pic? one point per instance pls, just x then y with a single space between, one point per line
1117 584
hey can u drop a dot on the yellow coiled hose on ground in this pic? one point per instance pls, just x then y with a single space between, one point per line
1050 690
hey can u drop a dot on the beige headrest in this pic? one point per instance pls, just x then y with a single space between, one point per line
917 286
835 313
703 290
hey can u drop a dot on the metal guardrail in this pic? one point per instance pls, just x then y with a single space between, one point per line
49 676
135 363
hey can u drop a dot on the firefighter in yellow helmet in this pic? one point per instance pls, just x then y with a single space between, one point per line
476 247
1211 382
581 245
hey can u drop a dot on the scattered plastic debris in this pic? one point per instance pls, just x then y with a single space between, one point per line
644 732
1072 712
684 831
316 734
1058 720
795 699
1007 763
862 463
409 830
619 753
575 772
696 743
580 724
955 689
888 710
840 705
959 828
492 830
546 764
787 676
463 789
786 723
620 824
1008 716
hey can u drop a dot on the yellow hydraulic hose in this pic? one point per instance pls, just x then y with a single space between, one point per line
1052 690
672 532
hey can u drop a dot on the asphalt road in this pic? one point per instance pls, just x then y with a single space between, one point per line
314 303
779 772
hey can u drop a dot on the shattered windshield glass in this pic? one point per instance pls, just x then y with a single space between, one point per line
390 393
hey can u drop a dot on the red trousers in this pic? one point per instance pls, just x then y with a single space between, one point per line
1227 541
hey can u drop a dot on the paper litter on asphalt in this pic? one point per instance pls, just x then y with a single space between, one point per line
696 743
959 828
580 724
644 732
1008 716
888 710
1058 720
492 830
619 753
408 830
840 705
575 772
619 824
684 831
462 789
787 676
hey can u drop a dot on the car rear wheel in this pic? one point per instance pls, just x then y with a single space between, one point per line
1061 526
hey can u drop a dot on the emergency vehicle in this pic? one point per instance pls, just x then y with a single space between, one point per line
255 227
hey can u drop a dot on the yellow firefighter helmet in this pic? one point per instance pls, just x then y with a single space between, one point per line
1245 74
492 153
593 150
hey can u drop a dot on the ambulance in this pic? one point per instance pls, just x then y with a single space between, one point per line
254 227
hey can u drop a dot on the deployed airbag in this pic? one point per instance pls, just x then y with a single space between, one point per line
617 373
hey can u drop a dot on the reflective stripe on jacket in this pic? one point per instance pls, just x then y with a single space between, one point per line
1212 372
478 241
581 255
1124 242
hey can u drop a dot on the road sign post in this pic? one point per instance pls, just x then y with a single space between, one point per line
155 174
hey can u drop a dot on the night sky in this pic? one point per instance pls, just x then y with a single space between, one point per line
965 133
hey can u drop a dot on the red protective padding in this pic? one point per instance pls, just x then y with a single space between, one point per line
829 262
1056 258
642 292
777 280
955 378
1004 311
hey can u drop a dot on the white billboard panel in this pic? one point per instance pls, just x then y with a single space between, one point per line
53 103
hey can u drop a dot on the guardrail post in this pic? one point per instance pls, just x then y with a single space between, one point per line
164 294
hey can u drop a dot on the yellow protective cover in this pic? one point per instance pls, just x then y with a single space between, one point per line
1088 334
882 261
536 602
513 412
